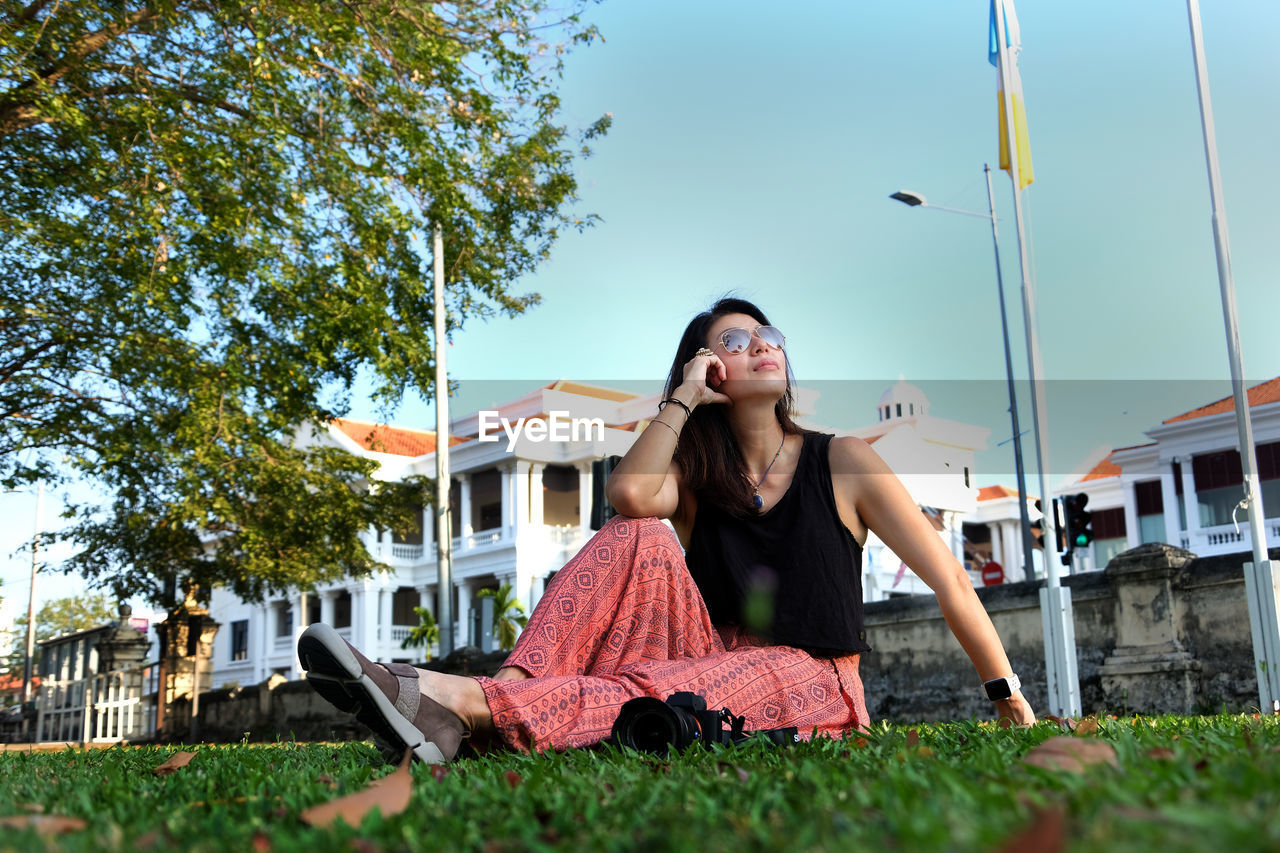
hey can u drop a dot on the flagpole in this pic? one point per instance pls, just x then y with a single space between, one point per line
1061 676
1261 574
1024 519
444 524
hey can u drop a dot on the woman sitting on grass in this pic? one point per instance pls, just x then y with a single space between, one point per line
761 611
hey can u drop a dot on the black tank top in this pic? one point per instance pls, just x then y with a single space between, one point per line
792 575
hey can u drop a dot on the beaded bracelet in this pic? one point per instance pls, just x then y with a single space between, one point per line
688 413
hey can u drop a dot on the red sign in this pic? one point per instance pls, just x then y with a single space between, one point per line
992 574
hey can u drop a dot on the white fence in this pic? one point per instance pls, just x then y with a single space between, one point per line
106 708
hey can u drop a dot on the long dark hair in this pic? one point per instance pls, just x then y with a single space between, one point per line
708 454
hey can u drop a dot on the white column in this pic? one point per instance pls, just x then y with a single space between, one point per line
1132 529
1011 545
428 531
368 617
535 494
520 496
384 617
997 541
426 599
299 625
536 593
265 630
1169 497
1189 499
464 507
464 613
584 495
508 500
326 606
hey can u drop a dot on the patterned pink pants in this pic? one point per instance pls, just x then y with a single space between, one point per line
624 619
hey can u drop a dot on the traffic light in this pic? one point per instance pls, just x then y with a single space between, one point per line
1078 519
1037 526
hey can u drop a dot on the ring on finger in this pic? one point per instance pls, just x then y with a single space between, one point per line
704 351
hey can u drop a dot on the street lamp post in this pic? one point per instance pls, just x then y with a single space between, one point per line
917 200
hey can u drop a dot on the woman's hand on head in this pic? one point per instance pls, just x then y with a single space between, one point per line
702 375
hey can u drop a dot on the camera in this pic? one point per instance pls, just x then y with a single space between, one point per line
650 725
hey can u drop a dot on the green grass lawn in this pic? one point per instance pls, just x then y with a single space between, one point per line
1177 783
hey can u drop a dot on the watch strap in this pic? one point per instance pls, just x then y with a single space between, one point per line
1001 688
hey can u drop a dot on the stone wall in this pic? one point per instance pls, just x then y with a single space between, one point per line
1159 630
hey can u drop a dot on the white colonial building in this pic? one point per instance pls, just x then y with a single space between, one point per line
1184 487
521 506
934 458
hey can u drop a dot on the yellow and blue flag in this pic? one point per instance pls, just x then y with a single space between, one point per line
1013 45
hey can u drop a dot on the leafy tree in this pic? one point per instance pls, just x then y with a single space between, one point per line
214 218
508 614
425 634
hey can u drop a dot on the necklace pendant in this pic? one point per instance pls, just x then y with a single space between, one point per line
757 501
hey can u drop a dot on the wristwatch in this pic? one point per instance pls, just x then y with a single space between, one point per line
1001 688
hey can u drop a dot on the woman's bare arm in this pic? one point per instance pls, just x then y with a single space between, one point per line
646 481
882 503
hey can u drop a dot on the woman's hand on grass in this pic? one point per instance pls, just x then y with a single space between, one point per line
1017 710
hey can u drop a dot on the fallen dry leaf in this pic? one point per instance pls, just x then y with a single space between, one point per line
261 843
147 841
390 795
1087 726
1070 753
513 778
1046 834
913 737
45 824
439 771
1162 752
175 763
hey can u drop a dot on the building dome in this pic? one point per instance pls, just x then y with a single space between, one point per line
903 400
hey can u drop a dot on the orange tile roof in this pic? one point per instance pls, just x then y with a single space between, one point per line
1258 395
397 441
584 390
1105 468
991 493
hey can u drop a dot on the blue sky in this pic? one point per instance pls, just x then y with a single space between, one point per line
754 147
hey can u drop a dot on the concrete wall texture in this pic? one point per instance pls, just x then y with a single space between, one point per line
1158 631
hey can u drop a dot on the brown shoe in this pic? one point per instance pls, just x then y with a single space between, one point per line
385 697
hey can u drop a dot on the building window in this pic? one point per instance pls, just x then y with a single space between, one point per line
403 600
486 499
1150 499
342 610
284 619
966 477
897 408
240 639
413 534
1110 536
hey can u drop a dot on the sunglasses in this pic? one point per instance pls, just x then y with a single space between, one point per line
735 341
